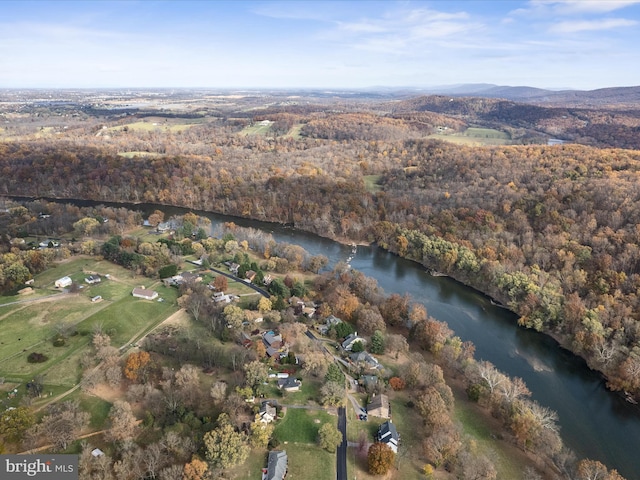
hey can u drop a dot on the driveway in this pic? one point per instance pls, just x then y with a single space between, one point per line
341 454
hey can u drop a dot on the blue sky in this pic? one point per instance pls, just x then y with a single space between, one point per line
583 44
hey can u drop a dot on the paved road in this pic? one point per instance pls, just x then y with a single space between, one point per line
261 291
341 454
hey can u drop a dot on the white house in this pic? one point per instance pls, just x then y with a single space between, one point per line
63 282
140 292
351 339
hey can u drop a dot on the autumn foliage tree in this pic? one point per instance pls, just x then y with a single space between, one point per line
135 367
380 458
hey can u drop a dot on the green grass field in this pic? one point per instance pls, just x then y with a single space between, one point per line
256 129
475 136
150 125
309 462
475 426
294 132
371 183
139 154
30 327
301 425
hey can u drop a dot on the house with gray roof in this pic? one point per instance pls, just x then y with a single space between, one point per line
388 434
351 339
277 465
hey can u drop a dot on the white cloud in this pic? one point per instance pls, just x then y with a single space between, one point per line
401 31
569 7
574 26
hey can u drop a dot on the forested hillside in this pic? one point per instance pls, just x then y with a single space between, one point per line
551 231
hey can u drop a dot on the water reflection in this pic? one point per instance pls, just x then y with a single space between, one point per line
594 422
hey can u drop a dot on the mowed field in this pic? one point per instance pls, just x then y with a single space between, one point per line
256 129
475 136
30 326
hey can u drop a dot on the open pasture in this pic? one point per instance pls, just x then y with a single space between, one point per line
31 326
256 129
475 136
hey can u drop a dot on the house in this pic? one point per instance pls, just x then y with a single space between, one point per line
220 297
290 384
379 406
267 412
267 279
48 243
365 359
189 277
272 352
63 282
351 339
277 465
250 275
330 321
388 434
163 227
93 279
233 268
272 340
174 281
368 381
141 292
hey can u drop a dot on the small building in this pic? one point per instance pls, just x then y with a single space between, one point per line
97 298
96 452
277 465
388 434
267 412
272 340
220 297
63 282
290 384
379 406
141 292
351 339
189 277
365 359
250 275
93 279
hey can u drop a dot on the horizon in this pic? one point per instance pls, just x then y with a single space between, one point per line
319 45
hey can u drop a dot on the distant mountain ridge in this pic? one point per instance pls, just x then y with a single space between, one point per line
627 96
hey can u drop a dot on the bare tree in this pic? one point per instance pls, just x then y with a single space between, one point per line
123 422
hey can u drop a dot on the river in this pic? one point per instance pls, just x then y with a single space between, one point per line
594 422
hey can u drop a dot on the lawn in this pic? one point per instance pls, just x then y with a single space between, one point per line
308 462
371 183
309 393
150 126
256 129
475 136
301 425
30 327
476 427
97 408
294 132
130 317
252 467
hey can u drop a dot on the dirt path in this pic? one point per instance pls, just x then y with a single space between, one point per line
173 318
47 447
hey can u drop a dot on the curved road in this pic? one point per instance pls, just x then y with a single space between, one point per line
261 291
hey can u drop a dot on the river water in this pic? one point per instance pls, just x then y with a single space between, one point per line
594 422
